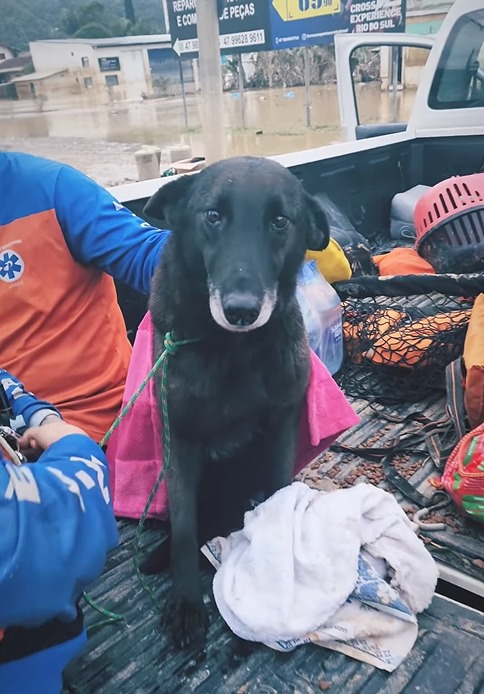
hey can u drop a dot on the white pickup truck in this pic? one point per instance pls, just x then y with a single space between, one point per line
444 136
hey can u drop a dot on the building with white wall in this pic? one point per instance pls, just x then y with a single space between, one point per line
6 53
426 16
107 69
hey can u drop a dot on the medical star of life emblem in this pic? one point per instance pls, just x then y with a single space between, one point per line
11 266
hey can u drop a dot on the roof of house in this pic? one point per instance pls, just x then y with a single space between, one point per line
114 41
15 64
39 76
9 48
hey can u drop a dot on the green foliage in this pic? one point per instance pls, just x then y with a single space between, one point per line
92 21
29 20
286 68
93 30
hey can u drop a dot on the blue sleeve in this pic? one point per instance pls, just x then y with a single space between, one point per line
27 410
100 231
57 526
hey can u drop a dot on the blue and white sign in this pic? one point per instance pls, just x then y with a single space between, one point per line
296 23
263 25
244 26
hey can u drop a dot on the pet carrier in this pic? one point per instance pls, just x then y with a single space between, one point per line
449 223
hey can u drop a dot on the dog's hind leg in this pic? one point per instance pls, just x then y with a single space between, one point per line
187 616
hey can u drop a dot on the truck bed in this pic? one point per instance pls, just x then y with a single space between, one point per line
136 656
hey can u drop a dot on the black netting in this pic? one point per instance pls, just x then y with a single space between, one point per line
397 347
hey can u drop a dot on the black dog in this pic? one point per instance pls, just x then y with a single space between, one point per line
227 276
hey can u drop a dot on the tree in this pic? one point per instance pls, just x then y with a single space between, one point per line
93 21
92 31
129 11
23 21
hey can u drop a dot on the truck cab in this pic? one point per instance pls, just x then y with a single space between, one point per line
450 96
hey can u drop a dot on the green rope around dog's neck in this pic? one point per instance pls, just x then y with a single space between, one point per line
171 346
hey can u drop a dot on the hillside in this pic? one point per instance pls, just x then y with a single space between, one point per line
27 20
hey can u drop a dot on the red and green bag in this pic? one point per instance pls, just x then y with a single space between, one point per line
463 477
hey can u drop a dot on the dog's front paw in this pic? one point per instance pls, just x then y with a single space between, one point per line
187 621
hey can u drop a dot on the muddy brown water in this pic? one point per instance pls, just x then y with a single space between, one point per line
275 119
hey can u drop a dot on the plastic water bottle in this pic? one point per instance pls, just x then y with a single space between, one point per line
312 322
326 304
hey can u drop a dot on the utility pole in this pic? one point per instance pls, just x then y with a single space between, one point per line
213 125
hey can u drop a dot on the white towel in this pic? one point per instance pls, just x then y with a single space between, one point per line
303 569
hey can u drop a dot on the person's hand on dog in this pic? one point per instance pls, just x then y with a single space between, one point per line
38 439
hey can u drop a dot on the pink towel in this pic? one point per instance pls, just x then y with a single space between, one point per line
135 449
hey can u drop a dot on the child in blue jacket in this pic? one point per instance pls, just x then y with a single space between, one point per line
57 526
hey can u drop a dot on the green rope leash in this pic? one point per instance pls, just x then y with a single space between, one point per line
170 349
110 617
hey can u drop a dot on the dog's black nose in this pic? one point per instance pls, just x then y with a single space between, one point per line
241 309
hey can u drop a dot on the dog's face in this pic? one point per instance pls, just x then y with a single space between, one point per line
244 225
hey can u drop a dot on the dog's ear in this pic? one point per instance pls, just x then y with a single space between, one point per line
318 227
163 204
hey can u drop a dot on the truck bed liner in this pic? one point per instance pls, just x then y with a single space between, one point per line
446 658
136 657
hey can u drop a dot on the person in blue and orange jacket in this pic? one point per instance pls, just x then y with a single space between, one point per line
62 331
50 511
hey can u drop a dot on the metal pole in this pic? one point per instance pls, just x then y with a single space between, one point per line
241 91
184 97
307 84
213 125
166 16
395 61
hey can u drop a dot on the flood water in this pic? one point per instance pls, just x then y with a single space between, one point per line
275 120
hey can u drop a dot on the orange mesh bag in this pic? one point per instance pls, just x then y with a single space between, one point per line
410 345
401 332
381 321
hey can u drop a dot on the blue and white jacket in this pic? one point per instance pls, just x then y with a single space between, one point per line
57 527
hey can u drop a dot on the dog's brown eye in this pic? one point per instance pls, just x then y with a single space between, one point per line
280 222
212 217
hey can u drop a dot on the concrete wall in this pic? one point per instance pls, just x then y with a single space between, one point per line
133 77
425 23
47 55
56 87
429 5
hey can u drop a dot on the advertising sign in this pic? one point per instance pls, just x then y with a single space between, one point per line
244 27
297 23
263 25
109 64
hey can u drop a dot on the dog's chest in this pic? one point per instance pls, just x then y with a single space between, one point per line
220 395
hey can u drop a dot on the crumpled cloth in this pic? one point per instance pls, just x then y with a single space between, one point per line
343 569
